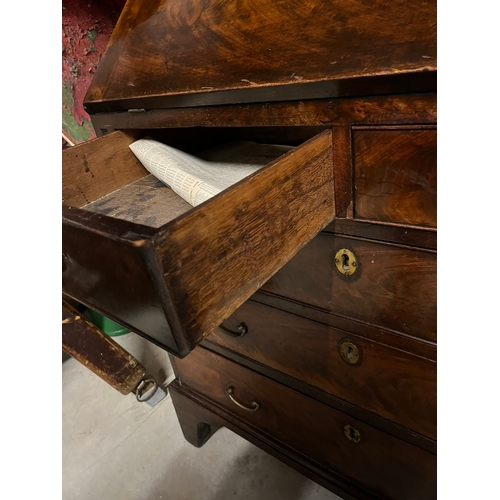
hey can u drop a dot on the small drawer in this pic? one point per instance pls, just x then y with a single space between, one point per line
175 276
390 286
394 384
382 464
395 175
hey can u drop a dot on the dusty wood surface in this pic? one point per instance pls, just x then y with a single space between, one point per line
214 51
93 169
98 352
146 201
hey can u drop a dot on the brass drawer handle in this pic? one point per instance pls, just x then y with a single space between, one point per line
241 329
254 405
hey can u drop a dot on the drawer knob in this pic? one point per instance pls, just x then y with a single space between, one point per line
254 406
241 329
346 262
352 434
349 352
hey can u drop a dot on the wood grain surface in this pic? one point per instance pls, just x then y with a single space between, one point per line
98 352
388 109
389 382
93 169
379 462
394 287
395 175
206 48
218 255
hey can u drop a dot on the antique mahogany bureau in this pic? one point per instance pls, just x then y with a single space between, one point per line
299 305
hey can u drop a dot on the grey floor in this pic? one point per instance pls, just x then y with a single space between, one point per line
117 448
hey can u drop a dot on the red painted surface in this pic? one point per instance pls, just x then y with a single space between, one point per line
86 28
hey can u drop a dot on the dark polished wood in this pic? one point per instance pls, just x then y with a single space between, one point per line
393 287
393 233
98 352
389 382
395 175
210 52
208 411
380 423
380 463
406 343
197 425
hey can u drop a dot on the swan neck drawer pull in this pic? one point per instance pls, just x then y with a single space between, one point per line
241 329
254 406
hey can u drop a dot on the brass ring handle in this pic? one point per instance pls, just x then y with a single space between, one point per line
230 391
241 329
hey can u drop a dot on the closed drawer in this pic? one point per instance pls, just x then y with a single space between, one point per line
389 382
392 286
174 281
378 462
395 175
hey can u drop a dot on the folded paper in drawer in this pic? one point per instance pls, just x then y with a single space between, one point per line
198 178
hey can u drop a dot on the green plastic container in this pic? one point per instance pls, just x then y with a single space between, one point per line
108 326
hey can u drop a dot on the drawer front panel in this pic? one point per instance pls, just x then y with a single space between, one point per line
112 277
381 463
392 287
386 381
395 176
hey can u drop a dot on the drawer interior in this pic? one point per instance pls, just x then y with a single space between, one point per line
137 253
108 179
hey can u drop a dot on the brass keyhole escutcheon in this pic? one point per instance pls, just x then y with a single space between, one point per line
349 352
346 262
352 434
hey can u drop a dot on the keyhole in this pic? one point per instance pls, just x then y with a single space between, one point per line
352 434
345 261
349 352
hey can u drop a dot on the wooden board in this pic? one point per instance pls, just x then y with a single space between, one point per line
218 255
395 175
94 169
146 201
177 53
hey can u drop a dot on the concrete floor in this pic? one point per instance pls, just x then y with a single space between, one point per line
117 448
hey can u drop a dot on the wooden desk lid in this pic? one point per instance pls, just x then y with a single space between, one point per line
200 52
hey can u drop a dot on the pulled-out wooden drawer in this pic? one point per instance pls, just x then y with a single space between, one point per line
389 382
383 464
395 175
179 273
391 286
